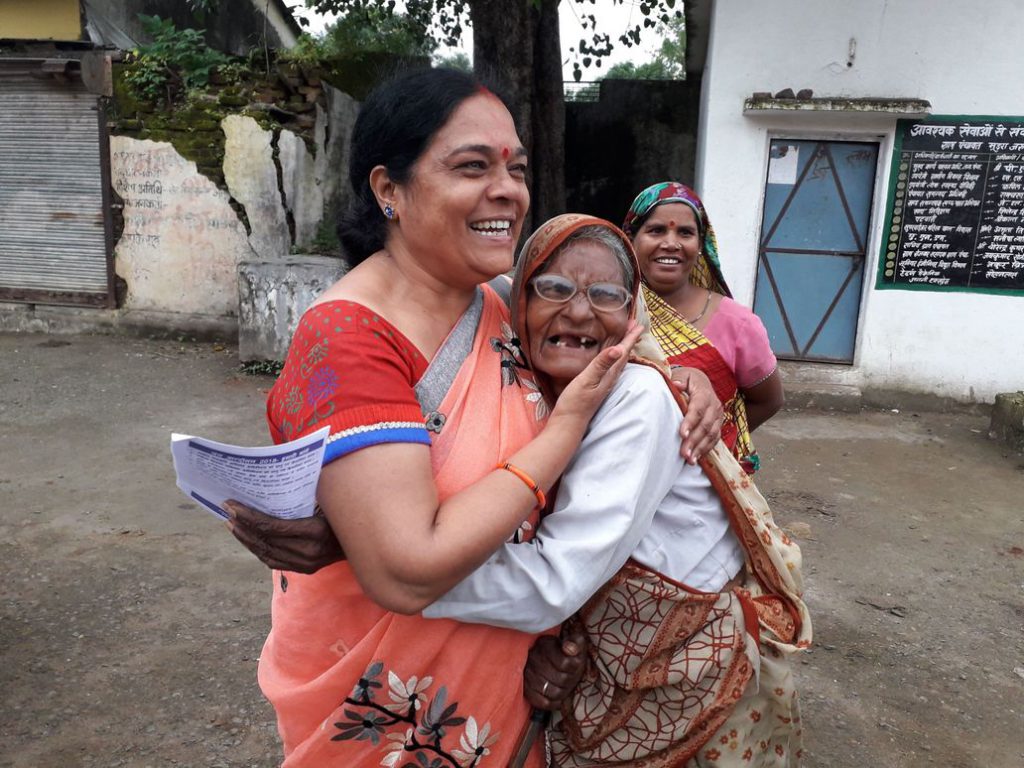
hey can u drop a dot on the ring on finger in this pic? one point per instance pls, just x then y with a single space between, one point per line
544 689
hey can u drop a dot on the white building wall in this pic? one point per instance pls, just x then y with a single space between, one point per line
966 59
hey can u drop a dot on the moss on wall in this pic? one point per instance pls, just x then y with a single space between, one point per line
286 99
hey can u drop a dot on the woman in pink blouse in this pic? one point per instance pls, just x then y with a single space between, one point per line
693 315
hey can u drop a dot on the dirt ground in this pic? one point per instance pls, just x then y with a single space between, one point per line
131 622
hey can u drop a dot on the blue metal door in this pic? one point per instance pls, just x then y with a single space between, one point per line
817 207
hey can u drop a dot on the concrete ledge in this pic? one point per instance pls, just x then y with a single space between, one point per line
884 398
813 386
1007 422
840 388
272 295
39 318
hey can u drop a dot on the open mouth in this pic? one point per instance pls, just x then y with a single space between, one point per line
572 341
492 227
668 260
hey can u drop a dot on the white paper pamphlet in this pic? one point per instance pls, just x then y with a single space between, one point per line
278 480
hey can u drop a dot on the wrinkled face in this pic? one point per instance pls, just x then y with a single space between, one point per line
667 246
461 213
564 338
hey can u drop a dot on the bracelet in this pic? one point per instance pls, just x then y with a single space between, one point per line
534 488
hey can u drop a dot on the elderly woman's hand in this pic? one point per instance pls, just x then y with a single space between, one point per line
553 668
702 425
304 545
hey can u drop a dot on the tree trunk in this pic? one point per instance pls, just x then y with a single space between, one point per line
516 47
548 115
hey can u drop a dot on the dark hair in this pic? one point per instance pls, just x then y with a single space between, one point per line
394 127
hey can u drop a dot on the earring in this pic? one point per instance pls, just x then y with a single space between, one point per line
389 210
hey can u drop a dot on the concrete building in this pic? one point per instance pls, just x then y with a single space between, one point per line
815 221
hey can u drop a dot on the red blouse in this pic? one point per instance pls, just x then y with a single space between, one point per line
349 369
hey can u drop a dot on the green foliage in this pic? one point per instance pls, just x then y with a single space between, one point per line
672 54
627 70
668 64
326 240
443 21
200 8
457 61
177 61
438 21
370 27
307 50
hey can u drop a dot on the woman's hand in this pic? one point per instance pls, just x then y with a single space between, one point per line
304 545
702 424
553 668
584 394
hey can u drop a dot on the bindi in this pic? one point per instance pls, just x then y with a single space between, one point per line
672 223
505 152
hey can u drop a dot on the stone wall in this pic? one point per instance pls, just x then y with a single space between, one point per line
252 169
181 240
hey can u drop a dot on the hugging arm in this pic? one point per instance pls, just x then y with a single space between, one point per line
408 548
305 546
623 469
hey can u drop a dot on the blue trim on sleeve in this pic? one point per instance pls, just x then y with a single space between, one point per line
346 445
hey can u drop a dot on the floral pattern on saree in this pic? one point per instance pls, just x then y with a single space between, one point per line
516 370
409 725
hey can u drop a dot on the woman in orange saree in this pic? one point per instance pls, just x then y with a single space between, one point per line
437 452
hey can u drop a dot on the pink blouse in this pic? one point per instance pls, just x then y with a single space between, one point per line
740 337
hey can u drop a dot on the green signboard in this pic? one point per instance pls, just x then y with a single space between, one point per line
955 213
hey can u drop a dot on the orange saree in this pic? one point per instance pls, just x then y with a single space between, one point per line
357 686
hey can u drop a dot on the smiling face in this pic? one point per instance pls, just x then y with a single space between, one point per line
667 246
564 338
461 213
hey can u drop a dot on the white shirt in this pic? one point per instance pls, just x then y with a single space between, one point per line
626 493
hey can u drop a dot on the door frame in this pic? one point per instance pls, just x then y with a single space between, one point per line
884 140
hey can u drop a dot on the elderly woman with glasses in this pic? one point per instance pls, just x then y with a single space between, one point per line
688 593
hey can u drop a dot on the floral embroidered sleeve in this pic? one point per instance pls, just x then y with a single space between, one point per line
351 370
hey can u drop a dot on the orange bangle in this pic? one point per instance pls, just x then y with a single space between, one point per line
534 488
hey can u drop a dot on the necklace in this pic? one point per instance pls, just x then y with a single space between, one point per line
707 304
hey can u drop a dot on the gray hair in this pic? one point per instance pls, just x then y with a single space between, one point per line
601 235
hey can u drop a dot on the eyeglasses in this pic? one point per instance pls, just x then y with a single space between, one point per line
604 297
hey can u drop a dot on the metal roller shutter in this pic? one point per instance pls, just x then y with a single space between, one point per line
52 231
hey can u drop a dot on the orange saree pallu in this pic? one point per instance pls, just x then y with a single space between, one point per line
680 677
357 686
